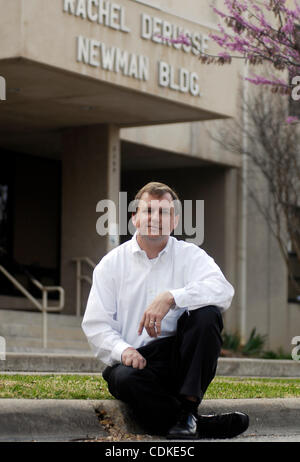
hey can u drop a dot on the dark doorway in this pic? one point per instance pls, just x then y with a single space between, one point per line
30 219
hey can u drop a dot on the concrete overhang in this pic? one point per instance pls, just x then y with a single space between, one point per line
53 81
40 97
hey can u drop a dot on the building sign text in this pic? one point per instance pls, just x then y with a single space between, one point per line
96 53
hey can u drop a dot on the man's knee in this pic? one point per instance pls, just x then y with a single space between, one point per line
127 377
207 317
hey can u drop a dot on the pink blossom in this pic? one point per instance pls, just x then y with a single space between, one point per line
259 40
260 80
291 119
180 39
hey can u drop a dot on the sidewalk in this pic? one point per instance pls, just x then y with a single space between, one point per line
77 420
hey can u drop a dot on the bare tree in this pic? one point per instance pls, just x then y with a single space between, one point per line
273 152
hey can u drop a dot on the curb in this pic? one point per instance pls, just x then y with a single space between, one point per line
246 367
70 420
267 416
48 420
278 416
86 363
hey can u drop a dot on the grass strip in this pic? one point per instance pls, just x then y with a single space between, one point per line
94 387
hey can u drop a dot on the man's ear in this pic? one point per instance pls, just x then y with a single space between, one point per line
134 218
176 221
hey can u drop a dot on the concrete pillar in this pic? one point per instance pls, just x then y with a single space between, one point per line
90 173
230 245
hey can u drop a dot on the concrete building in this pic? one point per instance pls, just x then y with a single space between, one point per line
97 103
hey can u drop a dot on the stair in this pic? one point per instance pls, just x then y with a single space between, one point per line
22 331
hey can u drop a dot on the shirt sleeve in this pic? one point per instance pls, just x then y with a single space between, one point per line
205 284
99 322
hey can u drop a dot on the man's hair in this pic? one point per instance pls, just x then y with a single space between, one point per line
157 189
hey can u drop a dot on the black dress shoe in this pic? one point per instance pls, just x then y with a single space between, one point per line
185 428
223 425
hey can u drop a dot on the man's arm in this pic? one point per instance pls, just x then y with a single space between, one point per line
205 284
155 313
99 324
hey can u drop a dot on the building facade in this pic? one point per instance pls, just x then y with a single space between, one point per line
97 103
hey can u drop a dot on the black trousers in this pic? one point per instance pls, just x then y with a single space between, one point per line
183 364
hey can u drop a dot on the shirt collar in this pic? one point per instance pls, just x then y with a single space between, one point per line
136 248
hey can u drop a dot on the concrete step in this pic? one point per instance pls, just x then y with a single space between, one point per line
35 330
49 361
25 344
23 331
32 317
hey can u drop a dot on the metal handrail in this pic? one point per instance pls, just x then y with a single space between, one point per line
43 307
81 277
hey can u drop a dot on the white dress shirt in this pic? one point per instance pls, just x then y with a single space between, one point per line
126 281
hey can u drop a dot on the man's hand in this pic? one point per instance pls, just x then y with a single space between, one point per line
131 357
154 314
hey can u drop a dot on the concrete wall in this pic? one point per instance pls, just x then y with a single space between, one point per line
190 139
86 179
28 21
198 12
267 279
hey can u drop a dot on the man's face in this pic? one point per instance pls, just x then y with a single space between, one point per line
155 216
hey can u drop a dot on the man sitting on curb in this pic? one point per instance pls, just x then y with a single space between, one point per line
154 317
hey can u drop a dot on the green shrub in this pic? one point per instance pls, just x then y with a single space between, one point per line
254 345
280 354
231 341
